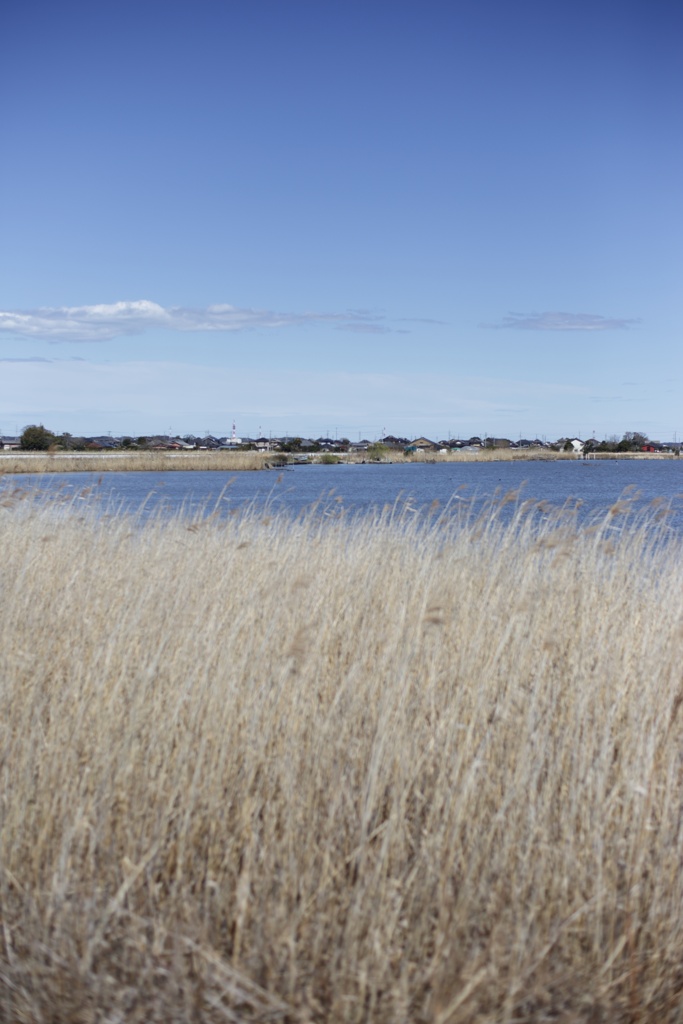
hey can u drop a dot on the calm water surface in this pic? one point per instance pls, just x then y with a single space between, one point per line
596 485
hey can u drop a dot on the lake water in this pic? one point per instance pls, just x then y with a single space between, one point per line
596 485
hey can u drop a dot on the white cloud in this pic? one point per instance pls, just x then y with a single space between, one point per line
103 322
562 322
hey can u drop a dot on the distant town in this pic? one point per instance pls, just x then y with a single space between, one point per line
39 438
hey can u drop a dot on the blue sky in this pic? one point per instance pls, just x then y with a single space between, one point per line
319 217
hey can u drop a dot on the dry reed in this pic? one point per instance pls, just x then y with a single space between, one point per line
339 770
122 461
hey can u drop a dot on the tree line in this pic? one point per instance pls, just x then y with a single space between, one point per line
38 438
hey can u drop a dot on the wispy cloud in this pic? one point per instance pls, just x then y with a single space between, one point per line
87 396
29 359
39 359
562 322
365 328
617 399
103 322
420 320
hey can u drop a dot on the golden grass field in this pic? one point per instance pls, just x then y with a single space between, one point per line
335 770
122 461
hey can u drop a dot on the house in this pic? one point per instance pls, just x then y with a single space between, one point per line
106 443
423 444
570 444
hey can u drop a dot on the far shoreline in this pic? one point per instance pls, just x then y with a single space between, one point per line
229 461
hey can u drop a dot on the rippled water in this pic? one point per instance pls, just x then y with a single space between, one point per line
595 485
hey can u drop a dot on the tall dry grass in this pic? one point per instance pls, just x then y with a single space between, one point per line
336 770
122 461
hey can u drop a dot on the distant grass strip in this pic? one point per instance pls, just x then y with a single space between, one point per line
500 455
326 769
131 462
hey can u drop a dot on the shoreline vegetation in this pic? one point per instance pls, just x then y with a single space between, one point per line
333 768
225 461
